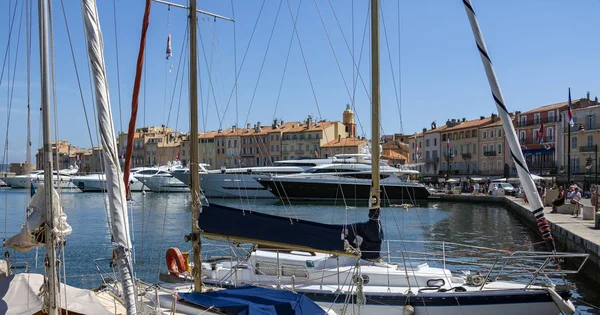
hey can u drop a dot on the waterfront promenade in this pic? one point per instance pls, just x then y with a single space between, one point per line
571 234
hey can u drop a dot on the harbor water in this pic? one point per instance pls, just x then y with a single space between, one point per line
161 221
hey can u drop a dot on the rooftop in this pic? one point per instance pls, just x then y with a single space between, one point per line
344 142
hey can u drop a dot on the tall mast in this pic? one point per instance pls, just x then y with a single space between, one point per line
533 197
51 297
374 202
194 167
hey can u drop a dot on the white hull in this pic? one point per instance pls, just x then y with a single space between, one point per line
164 184
19 182
97 183
332 281
232 186
219 185
489 309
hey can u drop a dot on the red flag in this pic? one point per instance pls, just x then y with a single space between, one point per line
540 134
177 158
570 112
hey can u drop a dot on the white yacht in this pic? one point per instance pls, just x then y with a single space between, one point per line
240 183
343 181
97 182
161 179
60 179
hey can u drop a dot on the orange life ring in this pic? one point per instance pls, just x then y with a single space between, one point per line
175 262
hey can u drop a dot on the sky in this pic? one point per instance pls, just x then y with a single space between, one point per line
430 67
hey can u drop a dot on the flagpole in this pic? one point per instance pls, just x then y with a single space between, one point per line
569 113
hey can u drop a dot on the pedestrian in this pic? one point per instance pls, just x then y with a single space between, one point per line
576 200
559 201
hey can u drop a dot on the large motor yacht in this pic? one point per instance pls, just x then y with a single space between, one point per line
97 182
344 181
240 183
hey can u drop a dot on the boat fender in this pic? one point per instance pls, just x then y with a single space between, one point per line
408 310
565 306
175 262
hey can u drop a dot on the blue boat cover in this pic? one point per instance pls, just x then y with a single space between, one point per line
271 230
249 300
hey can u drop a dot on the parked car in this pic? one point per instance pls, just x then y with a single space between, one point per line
507 188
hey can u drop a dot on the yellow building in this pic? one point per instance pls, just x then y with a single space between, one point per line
460 143
343 146
305 140
494 152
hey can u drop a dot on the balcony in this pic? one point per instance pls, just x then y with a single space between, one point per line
582 127
536 122
530 140
587 149
434 159
489 153
466 156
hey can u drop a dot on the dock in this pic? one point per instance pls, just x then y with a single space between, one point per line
571 234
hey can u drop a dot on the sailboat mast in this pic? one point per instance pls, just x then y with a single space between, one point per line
194 167
374 202
51 297
509 131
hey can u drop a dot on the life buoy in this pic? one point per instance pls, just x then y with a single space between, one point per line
175 262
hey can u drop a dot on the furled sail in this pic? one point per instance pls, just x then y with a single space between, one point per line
115 188
33 232
509 131
246 226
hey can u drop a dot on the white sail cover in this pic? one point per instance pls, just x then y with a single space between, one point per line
115 188
20 295
32 234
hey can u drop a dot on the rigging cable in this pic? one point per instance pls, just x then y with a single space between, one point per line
243 60
7 51
118 68
183 46
387 43
235 84
87 122
210 80
169 53
264 59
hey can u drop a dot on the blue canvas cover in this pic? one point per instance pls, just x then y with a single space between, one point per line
249 300
261 228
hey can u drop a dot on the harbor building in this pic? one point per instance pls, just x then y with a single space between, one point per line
342 146
61 150
585 139
538 131
256 145
305 139
494 155
460 143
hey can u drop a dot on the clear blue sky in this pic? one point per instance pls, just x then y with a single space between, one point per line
539 49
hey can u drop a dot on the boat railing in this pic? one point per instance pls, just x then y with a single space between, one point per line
493 262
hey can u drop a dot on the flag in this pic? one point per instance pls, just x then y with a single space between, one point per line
417 154
570 112
177 158
169 52
540 134
448 145
316 153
